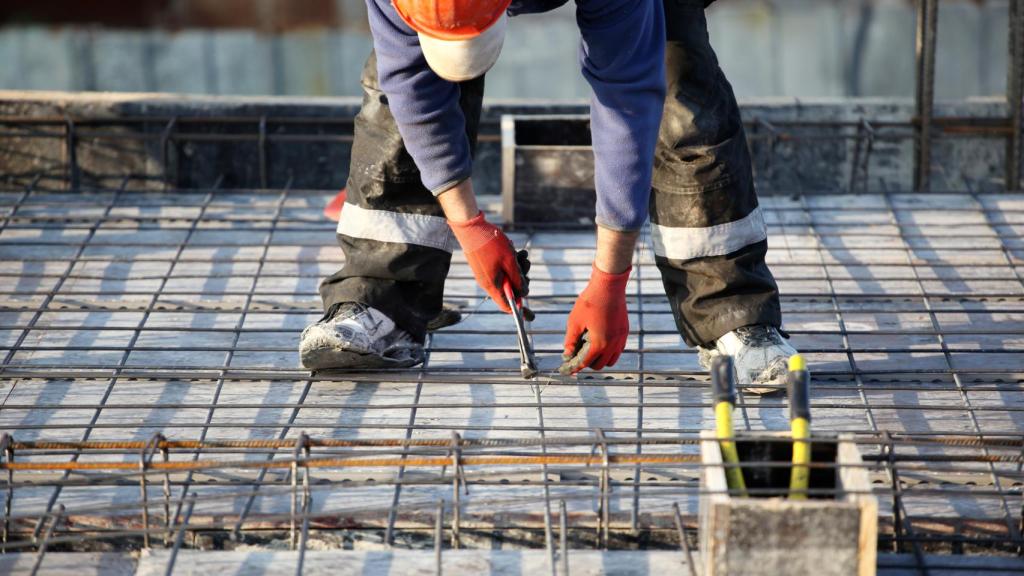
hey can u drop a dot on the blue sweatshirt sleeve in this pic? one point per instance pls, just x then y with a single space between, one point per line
622 55
424 105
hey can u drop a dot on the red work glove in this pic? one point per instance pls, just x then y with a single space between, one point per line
492 257
598 324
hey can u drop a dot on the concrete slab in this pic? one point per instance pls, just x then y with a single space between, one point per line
388 562
909 311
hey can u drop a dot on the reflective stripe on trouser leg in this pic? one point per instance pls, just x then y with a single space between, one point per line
396 241
708 232
684 243
396 227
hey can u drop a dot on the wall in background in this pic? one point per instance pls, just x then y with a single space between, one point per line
796 48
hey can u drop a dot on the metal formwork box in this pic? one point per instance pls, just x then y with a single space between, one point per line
547 171
820 536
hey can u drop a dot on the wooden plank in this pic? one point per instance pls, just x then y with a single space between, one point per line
854 477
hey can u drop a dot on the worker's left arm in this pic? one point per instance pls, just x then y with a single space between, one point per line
623 58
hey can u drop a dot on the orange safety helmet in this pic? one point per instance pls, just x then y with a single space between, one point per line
460 39
451 19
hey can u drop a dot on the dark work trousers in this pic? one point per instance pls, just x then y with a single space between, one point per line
397 243
709 235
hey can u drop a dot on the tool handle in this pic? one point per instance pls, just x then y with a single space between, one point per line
510 296
798 384
723 388
730 455
800 473
723 380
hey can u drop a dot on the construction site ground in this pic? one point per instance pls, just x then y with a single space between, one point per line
126 314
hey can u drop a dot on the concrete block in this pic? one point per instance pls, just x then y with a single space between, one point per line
768 534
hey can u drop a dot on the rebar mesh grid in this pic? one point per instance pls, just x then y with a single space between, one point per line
151 389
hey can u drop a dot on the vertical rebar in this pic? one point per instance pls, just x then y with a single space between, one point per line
563 533
856 157
145 500
549 541
144 459
1015 95
6 443
307 507
544 478
867 155
46 539
71 148
166 456
263 152
759 125
300 443
456 497
180 538
927 26
684 541
603 514
438 536
165 153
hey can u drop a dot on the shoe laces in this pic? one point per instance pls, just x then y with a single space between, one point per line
351 311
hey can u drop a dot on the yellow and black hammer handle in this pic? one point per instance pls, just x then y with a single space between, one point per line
799 389
723 386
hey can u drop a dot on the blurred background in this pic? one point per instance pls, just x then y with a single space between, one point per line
791 48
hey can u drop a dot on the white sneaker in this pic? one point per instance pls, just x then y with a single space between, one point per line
357 336
760 355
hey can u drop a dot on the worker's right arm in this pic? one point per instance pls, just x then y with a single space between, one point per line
598 325
622 57
426 110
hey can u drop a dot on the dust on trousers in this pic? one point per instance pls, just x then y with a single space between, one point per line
709 234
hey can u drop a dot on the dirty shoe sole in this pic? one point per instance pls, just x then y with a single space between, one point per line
450 315
328 358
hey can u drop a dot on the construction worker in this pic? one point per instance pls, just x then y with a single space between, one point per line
682 160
